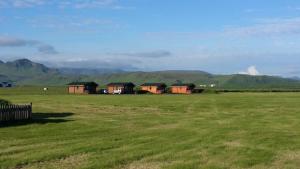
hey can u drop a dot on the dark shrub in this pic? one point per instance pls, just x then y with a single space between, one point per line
103 91
210 91
142 92
168 90
4 102
198 90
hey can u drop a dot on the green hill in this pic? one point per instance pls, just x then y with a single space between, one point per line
202 78
167 77
26 72
24 68
256 82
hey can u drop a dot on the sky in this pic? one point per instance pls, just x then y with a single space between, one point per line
224 37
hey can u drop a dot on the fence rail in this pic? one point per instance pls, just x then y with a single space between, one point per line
15 112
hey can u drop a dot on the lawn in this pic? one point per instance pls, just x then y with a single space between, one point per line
232 130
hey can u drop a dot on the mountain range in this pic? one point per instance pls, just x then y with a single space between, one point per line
26 72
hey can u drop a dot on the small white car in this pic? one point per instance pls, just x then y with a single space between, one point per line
118 91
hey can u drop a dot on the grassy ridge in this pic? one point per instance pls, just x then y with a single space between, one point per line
233 130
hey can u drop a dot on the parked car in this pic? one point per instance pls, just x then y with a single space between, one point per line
103 91
118 91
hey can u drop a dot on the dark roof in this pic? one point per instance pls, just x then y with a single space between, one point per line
184 84
154 84
121 84
84 83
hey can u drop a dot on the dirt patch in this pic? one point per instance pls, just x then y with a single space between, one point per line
287 159
142 165
71 162
165 126
234 143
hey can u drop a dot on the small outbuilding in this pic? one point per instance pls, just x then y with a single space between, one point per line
184 88
155 88
82 88
120 88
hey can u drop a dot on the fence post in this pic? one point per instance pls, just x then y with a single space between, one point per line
15 112
30 111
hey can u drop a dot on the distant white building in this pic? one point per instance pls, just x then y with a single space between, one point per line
209 85
212 85
203 85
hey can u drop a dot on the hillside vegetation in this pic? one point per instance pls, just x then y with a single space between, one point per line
26 72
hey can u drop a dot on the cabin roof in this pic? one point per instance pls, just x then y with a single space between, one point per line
184 84
83 83
154 84
121 84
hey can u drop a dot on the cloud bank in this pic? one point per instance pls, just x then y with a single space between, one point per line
151 54
267 27
17 42
76 4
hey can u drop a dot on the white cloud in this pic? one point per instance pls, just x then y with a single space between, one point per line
77 4
27 3
98 62
73 23
261 28
277 26
92 3
21 3
151 54
251 71
17 42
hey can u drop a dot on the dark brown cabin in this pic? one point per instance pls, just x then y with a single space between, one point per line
82 87
120 88
155 88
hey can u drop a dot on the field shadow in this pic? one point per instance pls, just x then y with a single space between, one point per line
40 118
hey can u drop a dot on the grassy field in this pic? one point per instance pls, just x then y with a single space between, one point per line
34 90
232 130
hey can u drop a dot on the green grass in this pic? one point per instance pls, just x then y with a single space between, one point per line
34 90
232 130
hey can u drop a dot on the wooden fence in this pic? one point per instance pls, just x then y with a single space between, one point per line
15 112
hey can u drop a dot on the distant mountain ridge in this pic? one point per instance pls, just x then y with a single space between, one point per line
26 72
24 67
87 71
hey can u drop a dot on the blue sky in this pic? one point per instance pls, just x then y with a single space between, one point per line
232 36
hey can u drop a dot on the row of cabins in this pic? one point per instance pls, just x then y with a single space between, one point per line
128 88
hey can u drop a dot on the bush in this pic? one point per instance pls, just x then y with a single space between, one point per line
257 90
168 90
142 92
4 102
210 91
198 90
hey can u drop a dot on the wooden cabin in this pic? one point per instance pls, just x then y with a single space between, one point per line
120 88
82 88
155 88
185 88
